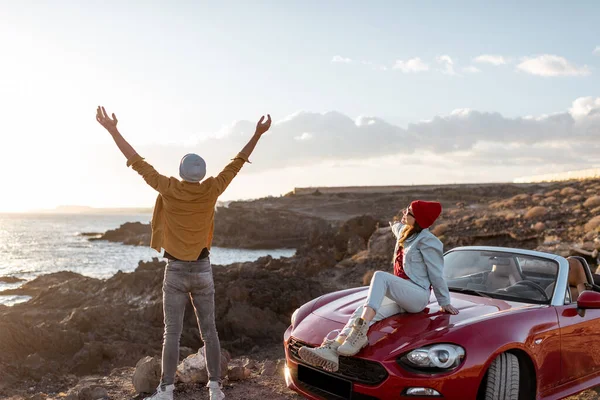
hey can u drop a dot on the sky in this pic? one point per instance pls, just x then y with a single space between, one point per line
361 93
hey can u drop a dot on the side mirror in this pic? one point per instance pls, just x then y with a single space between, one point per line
588 299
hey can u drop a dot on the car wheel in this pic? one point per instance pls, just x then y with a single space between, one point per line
502 382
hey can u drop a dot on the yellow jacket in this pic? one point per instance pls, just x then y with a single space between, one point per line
184 214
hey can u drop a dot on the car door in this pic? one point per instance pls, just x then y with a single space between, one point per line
580 341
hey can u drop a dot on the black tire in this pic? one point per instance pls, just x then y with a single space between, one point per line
502 382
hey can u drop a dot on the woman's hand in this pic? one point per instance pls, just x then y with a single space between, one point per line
449 309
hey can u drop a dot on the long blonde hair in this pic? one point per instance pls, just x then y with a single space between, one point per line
408 231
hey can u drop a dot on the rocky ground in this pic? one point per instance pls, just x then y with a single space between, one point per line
78 332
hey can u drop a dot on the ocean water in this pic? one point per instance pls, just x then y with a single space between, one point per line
37 244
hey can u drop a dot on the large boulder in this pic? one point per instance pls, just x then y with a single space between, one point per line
592 202
89 388
382 243
193 368
593 224
146 377
536 212
238 371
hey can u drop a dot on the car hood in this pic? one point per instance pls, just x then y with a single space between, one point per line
418 325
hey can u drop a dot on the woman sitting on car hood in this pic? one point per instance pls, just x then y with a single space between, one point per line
418 265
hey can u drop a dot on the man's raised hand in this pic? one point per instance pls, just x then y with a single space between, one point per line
262 127
104 120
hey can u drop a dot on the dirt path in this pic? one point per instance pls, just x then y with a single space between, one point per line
256 387
119 386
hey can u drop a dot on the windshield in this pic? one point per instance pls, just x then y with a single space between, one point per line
501 274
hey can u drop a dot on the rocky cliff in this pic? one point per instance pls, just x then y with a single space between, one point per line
75 325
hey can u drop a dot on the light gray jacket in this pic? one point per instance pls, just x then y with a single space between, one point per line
424 262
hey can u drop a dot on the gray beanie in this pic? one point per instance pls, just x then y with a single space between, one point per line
192 168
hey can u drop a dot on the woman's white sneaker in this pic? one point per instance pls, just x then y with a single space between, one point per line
324 356
356 340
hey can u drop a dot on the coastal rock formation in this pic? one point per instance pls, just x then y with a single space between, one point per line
256 228
132 233
505 215
75 325
10 279
80 325
237 228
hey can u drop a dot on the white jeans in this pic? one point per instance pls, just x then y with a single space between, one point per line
390 295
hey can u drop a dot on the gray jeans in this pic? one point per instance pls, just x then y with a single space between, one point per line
390 295
184 281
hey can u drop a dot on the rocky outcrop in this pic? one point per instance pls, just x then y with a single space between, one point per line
10 279
382 243
241 227
237 228
131 233
81 325
353 235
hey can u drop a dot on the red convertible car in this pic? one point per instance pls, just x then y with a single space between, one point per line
528 328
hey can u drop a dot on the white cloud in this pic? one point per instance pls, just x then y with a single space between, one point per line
448 64
308 138
464 146
490 59
412 65
585 107
552 65
471 69
340 59
596 50
461 112
304 136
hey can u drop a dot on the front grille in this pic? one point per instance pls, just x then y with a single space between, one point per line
351 368
323 394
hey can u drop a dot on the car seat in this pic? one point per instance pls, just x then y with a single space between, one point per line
504 273
577 277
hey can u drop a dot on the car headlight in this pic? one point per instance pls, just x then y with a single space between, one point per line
435 358
294 315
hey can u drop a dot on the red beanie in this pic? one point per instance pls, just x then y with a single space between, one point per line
426 212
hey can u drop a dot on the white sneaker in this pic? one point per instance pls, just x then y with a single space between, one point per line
214 390
324 356
356 340
162 393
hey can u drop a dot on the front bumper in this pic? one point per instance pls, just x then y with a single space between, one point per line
457 385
